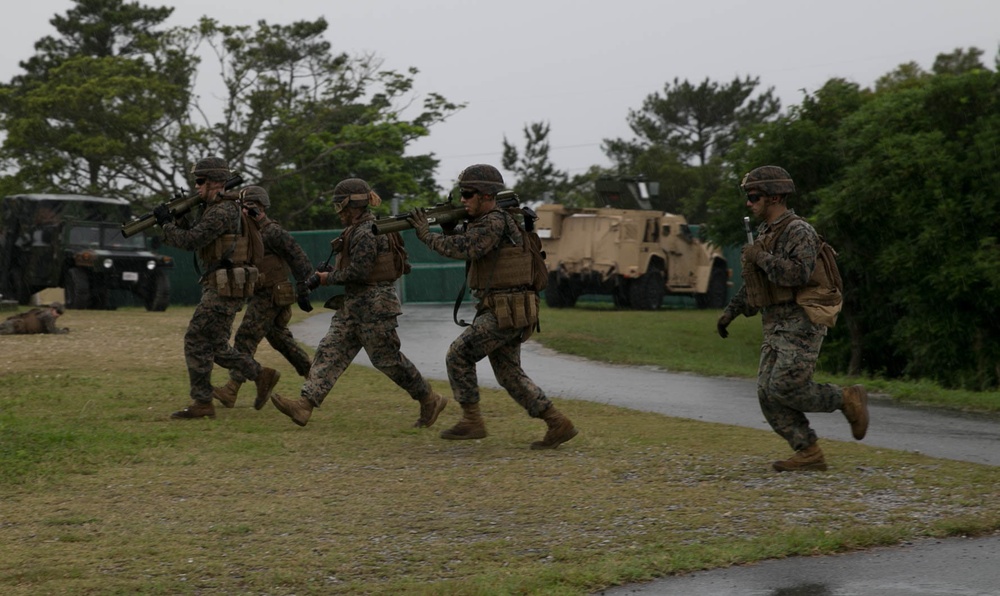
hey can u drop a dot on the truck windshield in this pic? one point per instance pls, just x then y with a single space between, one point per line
109 237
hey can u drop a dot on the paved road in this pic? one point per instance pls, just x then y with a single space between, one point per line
956 567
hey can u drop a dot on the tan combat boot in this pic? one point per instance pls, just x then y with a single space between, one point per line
197 409
471 425
227 393
560 430
856 409
299 409
265 382
805 460
430 406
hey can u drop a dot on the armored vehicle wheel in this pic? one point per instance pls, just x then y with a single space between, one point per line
20 288
559 295
619 295
157 293
646 293
715 296
77 289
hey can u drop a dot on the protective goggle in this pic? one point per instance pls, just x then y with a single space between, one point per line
754 197
468 193
341 202
200 181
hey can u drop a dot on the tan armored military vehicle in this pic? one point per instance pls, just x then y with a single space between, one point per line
638 256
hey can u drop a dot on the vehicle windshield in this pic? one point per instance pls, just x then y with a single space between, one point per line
110 237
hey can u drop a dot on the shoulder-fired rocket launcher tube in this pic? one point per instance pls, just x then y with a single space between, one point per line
178 207
442 213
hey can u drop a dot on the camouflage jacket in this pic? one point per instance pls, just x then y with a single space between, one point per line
482 236
789 262
221 216
277 241
36 320
364 301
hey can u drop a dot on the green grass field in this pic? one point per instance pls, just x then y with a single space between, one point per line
102 493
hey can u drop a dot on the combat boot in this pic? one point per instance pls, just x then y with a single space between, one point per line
227 393
197 409
856 409
265 381
804 460
430 406
471 425
299 409
560 430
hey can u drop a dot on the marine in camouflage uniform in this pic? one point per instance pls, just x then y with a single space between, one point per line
782 259
366 319
487 232
36 320
207 337
269 309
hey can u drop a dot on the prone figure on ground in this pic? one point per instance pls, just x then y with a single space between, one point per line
506 313
227 250
36 320
269 308
367 266
784 282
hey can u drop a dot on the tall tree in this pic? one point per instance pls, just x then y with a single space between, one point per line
298 118
696 122
537 177
98 107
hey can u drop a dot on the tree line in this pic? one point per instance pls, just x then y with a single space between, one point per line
899 178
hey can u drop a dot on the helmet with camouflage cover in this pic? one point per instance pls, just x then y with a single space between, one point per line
213 168
256 194
58 306
354 192
768 180
482 177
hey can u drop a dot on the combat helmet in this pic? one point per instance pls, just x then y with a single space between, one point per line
58 306
768 180
213 168
482 177
256 194
354 192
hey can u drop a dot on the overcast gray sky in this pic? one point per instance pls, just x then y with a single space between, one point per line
582 64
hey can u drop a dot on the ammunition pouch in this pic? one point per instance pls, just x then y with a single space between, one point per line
514 310
761 292
237 282
283 293
511 268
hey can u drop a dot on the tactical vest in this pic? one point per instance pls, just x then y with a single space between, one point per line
390 264
232 260
822 295
503 268
272 268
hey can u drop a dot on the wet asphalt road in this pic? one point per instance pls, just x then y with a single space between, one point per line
940 567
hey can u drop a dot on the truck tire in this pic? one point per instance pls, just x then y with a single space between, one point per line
559 295
157 293
619 293
77 289
646 292
718 290
19 287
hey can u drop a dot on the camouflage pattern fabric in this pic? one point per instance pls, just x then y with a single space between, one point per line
263 319
207 337
368 319
207 341
36 320
220 217
484 338
791 343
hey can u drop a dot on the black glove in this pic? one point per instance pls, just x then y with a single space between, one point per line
312 282
162 214
722 324
304 303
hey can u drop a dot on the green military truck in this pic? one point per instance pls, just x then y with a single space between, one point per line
75 242
628 250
